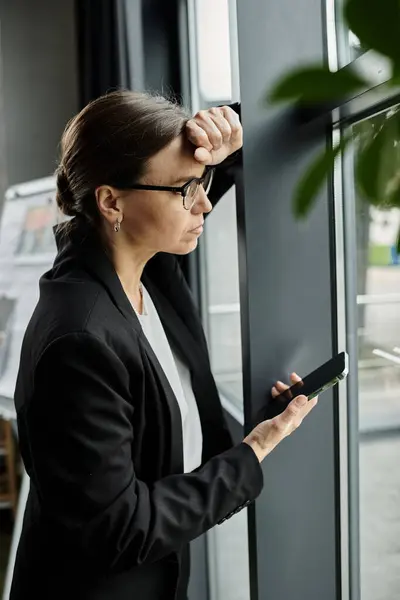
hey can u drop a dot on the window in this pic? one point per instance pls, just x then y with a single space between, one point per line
212 81
372 331
229 560
222 298
374 67
213 76
377 329
213 50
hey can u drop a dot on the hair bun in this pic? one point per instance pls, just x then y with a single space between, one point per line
64 197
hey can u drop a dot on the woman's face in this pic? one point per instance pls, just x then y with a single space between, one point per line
156 220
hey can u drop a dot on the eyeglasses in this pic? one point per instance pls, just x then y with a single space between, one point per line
188 191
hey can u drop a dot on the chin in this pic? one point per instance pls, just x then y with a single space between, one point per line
185 248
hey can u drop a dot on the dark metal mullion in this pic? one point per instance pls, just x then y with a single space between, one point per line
335 349
360 107
365 106
284 326
335 324
242 232
350 244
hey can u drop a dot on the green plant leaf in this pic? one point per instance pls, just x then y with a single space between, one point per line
310 184
378 164
376 24
315 84
398 242
395 78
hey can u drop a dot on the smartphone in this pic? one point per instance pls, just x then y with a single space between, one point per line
323 378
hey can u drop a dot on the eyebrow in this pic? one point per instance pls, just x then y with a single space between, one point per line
186 178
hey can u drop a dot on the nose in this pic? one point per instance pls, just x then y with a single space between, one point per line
202 204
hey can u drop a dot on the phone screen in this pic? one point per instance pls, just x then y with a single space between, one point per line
316 382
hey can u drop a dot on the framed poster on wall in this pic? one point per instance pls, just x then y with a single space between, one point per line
27 250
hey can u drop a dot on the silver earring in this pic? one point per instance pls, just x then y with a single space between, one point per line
117 226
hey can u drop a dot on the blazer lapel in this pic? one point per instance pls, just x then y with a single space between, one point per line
86 246
176 465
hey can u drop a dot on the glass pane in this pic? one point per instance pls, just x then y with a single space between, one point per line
350 47
213 49
378 333
229 559
379 406
222 282
379 319
227 544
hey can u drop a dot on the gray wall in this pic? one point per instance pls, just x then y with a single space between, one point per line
40 83
288 305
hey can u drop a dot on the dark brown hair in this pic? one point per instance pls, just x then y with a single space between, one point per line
109 143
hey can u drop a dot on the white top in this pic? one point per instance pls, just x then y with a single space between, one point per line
179 379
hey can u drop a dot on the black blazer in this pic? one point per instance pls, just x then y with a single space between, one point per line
110 512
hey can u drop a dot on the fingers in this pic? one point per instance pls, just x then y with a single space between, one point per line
214 136
296 411
279 388
236 127
223 125
197 135
293 414
310 405
271 432
294 378
216 133
203 156
215 127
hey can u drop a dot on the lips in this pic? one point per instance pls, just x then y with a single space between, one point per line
198 227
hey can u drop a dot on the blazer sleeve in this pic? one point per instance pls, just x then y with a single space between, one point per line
80 434
226 172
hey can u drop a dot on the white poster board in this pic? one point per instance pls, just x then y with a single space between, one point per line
27 250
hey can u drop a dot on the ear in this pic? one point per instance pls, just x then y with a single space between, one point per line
109 203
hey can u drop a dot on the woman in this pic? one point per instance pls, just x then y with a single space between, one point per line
120 424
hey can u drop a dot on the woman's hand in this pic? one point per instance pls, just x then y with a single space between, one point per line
268 434
216 133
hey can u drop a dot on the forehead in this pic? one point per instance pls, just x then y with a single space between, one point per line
173 161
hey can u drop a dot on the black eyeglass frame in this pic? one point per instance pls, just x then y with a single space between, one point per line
183 190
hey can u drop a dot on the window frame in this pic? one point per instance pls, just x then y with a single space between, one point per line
345 420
